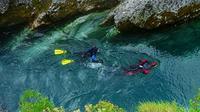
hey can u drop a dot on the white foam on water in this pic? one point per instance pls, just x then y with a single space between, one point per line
94 65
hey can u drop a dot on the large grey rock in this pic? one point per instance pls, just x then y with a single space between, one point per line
4 6
150 14
42 12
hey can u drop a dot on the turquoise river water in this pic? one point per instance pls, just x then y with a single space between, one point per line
27 61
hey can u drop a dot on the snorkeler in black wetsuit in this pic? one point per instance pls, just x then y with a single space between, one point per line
91 53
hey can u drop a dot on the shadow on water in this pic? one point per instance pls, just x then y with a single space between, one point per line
7 34
177 41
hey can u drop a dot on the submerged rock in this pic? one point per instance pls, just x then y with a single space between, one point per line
42 12
150 14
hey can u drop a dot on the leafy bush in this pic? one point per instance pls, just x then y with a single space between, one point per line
195 103
32 101
103 106
159 107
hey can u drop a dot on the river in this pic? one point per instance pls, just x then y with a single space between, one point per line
27 61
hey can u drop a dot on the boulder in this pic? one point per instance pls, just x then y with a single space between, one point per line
151 14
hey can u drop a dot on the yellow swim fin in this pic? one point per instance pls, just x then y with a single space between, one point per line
66 61
59 52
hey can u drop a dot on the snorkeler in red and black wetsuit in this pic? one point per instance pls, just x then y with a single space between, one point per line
144 66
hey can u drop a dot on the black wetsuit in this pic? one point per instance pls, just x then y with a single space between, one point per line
92 51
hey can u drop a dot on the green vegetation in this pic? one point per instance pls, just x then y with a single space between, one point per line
159 107
195 103
33 101
103 106
170 107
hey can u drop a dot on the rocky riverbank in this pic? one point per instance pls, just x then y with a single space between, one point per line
150 14
129 14
43 12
